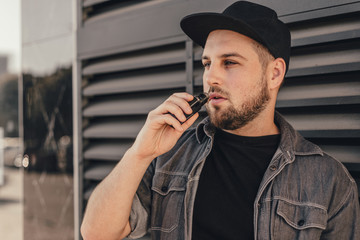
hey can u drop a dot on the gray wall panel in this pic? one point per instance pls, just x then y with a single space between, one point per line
87 3
107 151
114 129
159 19
166 55
99 172
294 7
334 9
162 78
134 56
131 105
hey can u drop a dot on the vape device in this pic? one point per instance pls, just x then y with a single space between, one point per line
196 104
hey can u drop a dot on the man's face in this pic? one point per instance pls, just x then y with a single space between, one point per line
235 78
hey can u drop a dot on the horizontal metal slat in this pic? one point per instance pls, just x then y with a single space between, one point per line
107 151
325 58
141 81
143 59
319 94
326 125
130 105
318 101
114 129
345 7
88 3
331 133
98 172
322 30
326 62
345 154
117 8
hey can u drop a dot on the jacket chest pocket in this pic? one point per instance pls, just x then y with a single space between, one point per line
168 201
298 221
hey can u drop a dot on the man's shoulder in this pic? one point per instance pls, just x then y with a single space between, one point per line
310 157
324 166
337 167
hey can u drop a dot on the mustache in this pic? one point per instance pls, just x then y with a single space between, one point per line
219 91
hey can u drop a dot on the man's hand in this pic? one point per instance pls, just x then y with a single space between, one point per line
159 134
162 130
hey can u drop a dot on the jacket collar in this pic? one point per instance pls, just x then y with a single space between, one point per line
291 142
205 130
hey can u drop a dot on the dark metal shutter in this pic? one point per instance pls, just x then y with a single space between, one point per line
131 55
321 95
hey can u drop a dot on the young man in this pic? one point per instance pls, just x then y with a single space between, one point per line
242 173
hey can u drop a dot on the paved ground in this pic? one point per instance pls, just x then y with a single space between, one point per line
11 207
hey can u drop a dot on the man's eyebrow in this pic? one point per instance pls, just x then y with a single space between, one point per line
225 55
204 57
234 54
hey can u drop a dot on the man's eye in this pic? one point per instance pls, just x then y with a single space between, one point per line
206 64
229 63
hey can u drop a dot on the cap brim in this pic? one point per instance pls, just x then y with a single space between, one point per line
198 26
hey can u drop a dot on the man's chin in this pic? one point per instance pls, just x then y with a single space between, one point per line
213 113
227 119
217 118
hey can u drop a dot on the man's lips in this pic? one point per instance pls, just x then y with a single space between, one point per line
216 98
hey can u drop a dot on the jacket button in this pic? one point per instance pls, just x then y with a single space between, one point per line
164 189
273 167
301 223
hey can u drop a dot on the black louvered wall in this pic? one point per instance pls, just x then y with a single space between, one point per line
321 95
131 55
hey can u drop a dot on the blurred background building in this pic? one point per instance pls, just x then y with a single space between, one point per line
92 69
46 62
11 190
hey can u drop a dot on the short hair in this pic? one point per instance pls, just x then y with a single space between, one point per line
263 53
264 56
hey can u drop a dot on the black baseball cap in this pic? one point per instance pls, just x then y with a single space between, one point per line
255 21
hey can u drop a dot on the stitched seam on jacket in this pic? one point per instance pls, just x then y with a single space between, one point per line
311 204
172 173
167 230
302 227
347 196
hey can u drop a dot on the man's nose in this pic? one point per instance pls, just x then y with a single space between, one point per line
212 76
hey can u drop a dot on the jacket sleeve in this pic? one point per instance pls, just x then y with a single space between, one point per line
344 224
141 207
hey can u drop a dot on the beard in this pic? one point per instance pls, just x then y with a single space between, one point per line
232 118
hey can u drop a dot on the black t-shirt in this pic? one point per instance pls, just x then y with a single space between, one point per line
228 185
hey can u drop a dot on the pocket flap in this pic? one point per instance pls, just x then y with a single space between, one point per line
164 183
302 216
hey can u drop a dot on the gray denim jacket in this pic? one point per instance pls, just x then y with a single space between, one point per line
304 195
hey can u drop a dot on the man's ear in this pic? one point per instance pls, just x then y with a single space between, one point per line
277 74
